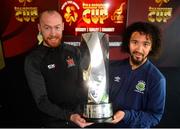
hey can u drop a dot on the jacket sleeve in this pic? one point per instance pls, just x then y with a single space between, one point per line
153 115
37 85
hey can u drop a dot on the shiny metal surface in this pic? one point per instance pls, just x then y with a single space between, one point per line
98 110
95 74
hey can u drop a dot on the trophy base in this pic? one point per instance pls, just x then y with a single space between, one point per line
99 120
98 113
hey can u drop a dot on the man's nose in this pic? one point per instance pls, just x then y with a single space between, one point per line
53 32
139 47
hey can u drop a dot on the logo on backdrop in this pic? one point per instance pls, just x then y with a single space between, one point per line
160 2
71 9
88 16
25 13
160 14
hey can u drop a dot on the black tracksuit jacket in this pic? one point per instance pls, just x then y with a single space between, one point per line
55 79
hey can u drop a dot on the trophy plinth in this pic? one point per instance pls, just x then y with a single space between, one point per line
98 113
94 63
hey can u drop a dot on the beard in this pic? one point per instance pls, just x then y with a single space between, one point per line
137 61
53 41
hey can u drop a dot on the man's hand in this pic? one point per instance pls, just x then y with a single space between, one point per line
118 116
77 119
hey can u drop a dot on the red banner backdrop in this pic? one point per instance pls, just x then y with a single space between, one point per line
166 15
18 28
18 19
107 16
101 15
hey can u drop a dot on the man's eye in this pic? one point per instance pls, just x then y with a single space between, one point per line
134 41
58 28
46 28
146 44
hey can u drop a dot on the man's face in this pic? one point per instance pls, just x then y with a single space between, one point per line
140 45
51 27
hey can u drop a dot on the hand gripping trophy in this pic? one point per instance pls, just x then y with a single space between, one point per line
95 60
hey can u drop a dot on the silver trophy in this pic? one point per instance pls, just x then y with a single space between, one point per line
95 60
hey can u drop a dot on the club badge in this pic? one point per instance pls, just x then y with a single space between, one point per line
70 62
140 87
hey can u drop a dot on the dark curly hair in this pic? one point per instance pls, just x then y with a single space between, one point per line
147 29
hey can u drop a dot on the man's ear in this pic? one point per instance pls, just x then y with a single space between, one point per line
39 27
151 48
63 26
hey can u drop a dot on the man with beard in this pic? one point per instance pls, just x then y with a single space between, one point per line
54 76
137 87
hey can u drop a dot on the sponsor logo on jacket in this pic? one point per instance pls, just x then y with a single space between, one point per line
51 66
117 79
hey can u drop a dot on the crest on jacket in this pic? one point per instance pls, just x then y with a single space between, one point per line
70 62
140 87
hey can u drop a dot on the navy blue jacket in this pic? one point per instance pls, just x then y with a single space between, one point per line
140 93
